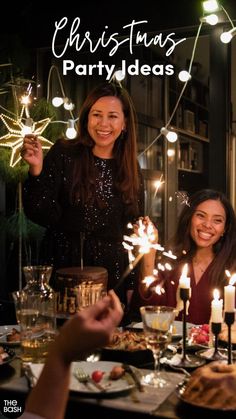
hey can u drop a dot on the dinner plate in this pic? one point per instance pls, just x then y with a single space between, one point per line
208 354
177 328
180 393
113 387
4 330
11 356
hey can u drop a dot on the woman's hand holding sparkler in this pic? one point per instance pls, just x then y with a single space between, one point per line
149 229
144 237
149 279
149 257
145 227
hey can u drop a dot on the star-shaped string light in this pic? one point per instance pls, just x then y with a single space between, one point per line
18 129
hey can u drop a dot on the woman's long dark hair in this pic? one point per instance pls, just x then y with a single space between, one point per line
225 249
124 152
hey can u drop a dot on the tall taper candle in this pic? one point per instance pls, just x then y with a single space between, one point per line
216 308
229 296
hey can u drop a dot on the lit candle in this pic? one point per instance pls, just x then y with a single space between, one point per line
229 295
184 280
216 308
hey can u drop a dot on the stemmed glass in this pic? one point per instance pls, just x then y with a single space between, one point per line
157 326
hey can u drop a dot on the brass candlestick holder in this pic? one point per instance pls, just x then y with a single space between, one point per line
229 320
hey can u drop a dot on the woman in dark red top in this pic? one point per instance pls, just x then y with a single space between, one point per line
205 239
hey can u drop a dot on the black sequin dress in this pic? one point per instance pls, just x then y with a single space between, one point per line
47 202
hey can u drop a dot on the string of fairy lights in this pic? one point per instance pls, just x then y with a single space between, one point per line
18 125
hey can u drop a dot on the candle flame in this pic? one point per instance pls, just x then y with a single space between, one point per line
232 280
216 294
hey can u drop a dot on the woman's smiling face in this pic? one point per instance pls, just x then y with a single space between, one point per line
106 120
208 223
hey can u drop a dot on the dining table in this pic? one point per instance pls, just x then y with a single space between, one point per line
162 403
138 402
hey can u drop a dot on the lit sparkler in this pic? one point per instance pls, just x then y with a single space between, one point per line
183 198
143 238
148 280
169 254
157 185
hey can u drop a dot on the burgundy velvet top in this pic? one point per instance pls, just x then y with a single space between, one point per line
201 295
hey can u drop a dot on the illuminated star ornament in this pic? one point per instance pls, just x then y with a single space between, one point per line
17 129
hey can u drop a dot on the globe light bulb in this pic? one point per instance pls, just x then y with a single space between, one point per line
226 37
57 101
68 105
210 6
171 136
71 131
119 75
184 75
212 19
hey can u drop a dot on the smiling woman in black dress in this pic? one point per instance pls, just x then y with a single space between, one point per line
91 186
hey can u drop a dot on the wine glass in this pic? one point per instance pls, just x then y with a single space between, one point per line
157 326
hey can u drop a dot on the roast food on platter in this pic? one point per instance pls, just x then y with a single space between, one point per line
128 347
212 386
127 341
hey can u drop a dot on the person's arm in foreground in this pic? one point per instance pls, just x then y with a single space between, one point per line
88 329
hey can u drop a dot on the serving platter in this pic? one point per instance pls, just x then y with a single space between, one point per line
180 393
128 346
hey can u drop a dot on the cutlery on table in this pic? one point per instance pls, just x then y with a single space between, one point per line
85 378
130 370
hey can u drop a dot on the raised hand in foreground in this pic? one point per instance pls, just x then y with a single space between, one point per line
90 328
